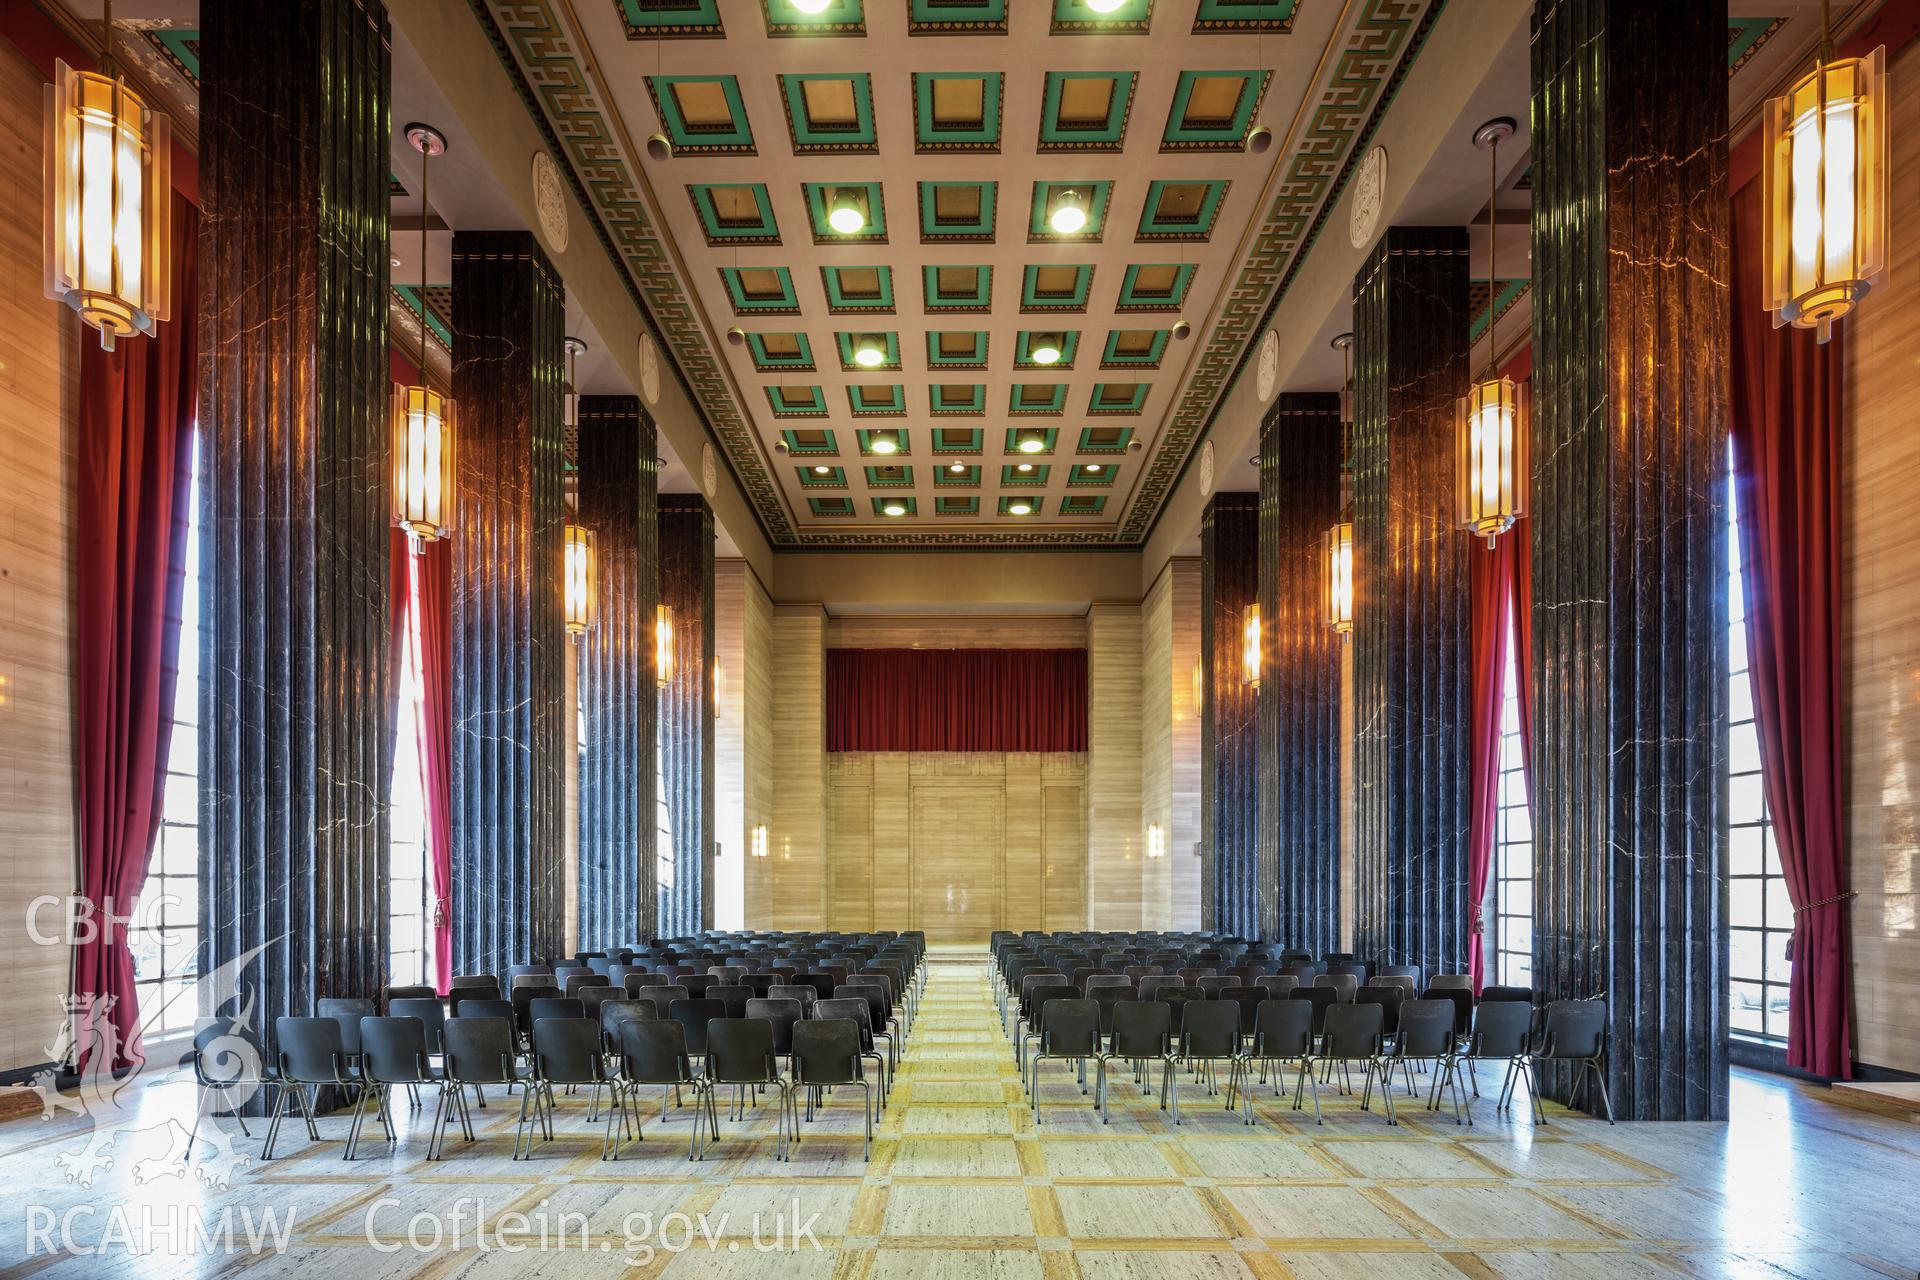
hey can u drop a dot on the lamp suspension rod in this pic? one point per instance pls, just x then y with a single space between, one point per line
1493 254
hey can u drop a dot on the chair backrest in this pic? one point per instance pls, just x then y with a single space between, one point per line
1400 971
694 1014
1249 998
1034 977
696 984
1153 985
1277 985
1070 1027
479 1049
1451 981
1321 999
1141 1028
853 1008
781 1015
415 991
519 970
1101 981
1353 1031
634 981
826 1051
1462 998
1108 999
1210 1029
727 974
615 1012
806 995
476 981
549 1007
311 1049
1139 971
1344 983
578 982
225 1051
1401 981
1213 984
733 998
1575 1029
1426 1029
654 1052
663 996
1501 1030
1389 999
1498 994
393 1050
1283 1029
347 1011
1302 972
741 1051
428 1011
523 998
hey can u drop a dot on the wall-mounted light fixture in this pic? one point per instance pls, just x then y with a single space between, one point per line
1156 841
760 840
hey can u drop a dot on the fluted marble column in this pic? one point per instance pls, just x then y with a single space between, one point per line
1230 721
618 823
1411 647
510 721
1629 527
294 732
686 711
1300 759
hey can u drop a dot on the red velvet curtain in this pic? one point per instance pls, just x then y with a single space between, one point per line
137 407
1492 609
956 700
1787 477
429 627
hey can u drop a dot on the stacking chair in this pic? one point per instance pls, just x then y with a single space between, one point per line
1345 984
1322 999
826 1054
1575 1032
1278 986
696 1014
415 991
727 974
661 998
393 1050
741 1052
523 998
1035 990
1353 1034
1209 1034
655 1053
347 1012
806 995
1177 999
1213 984
635 982
431 1013
228 1065
614 1012
578 982
877 1026
1400 971
1249 998
1070 1032
1523 995
1501 1031
696 984
1462 998
312 1053
1142 1034
1139 971
1152 985
1426 1035
479 1052
1451 981
484 1009
733 998
1282 1032
856 1009
547 1007
1389 998
780 1015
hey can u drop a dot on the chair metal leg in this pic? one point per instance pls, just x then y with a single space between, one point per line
273 1122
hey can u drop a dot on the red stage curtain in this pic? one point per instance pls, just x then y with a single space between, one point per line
137 407
956 699
1492 607
429 628
1787 474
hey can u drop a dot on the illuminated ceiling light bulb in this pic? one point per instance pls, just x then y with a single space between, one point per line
1104 6
1045 349
894 509
1250 646
847 216
1826 153
883 442
1068 216
812 8
662 646
1032 442
1025 466
823 470
1339 571
1490 422
578 571
1093 468
1019 509
958 468
869 352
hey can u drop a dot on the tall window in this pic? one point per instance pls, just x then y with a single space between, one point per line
409 940
164 933
1512 839
1760 916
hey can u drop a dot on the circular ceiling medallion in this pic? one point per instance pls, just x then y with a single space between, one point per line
1268 371
649 369
1206 469
709 470
1369 194
550 202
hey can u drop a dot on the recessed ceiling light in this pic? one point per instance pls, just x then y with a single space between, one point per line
1093 468
1100 6
894 509
814 8
822 470
958 468
846 216
869 352
1069 213
1045 349
1032 443
1025 466
883 442
1019 509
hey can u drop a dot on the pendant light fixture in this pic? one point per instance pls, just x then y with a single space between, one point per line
870 351
883 442
109 194
1826 187
1068 216
581 587
847 215
422 418
1045 348
570 414
1339 549
1250 646
1260 137
1490 421
662 646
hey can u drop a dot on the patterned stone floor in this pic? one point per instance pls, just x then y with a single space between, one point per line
963 1183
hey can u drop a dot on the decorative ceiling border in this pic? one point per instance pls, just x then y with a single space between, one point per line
1380 49
541 56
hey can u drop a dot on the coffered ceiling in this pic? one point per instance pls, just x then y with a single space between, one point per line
954 127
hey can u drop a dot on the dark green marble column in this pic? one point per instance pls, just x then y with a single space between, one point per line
1230 719
686 711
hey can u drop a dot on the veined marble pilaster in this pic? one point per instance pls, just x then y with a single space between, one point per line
1230 717
686 711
